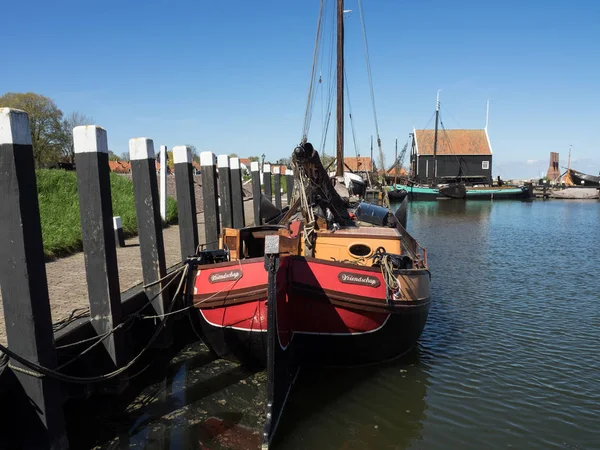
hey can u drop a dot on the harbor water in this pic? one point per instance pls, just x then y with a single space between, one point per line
510 356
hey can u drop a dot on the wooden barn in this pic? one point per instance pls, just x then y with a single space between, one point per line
459 153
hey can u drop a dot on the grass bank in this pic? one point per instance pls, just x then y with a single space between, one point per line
59 209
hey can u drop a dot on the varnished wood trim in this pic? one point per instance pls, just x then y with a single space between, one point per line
352 301
231 297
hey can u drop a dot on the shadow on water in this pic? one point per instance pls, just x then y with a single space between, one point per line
198 402
190 401
371 407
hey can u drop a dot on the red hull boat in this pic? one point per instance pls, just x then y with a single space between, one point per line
341 313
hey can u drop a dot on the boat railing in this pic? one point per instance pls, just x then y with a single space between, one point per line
412 247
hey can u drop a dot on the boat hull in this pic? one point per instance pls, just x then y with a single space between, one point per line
520 193
421 193
583 179
338 314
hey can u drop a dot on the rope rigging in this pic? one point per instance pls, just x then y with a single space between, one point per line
311 90
368 62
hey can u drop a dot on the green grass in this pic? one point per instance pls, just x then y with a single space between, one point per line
59 209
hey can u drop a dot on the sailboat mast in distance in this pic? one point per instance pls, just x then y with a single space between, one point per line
437 115
340 90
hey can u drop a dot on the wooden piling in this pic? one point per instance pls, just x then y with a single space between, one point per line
254 169
237 194
225 191
163 182
186 201
119 234
210 196
145 191
267 187
289 175
24 284
98 237
277 187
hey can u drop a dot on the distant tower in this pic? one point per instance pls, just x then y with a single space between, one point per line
553 170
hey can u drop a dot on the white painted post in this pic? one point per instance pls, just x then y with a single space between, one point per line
163 182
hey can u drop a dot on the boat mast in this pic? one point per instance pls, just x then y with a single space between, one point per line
396 163
437 115
340 90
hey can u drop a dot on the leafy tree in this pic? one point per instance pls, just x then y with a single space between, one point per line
45 120
233 155
253 158
170 161
73 120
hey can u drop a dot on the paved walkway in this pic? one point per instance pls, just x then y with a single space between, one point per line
66 276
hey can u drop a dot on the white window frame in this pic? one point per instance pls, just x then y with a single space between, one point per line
485 165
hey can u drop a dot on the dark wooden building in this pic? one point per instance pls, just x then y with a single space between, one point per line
460 153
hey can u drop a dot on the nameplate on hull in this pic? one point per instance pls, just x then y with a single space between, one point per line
361 280
225 275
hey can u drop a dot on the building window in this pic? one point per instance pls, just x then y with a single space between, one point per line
485 165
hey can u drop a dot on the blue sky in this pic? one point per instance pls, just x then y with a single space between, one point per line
232 76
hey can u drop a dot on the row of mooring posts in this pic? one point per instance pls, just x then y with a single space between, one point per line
23 278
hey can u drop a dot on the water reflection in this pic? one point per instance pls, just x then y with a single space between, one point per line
380 406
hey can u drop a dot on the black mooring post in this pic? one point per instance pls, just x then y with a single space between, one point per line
237 194
119 234
186 201
267 187
256 192
98 236
147 208
25 287
210 196
289 175
225 191
277 187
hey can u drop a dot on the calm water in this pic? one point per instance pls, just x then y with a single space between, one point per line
509 357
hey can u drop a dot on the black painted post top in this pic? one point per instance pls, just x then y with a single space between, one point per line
186 200
237 193
289 175
24 286
210 195
255 170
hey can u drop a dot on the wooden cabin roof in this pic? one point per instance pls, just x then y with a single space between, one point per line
453 142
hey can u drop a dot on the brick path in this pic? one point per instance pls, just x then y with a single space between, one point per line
66 276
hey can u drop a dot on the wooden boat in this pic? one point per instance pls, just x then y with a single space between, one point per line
342 309
582 179
499 193
576 193
329 284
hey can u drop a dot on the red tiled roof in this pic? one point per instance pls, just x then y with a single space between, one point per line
453 142
245 161
360 164
196 165
392 171
119 166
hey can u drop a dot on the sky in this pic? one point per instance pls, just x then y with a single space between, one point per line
233 76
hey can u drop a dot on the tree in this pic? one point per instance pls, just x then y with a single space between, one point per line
253 158
233 155
73 120
170 161
44 120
